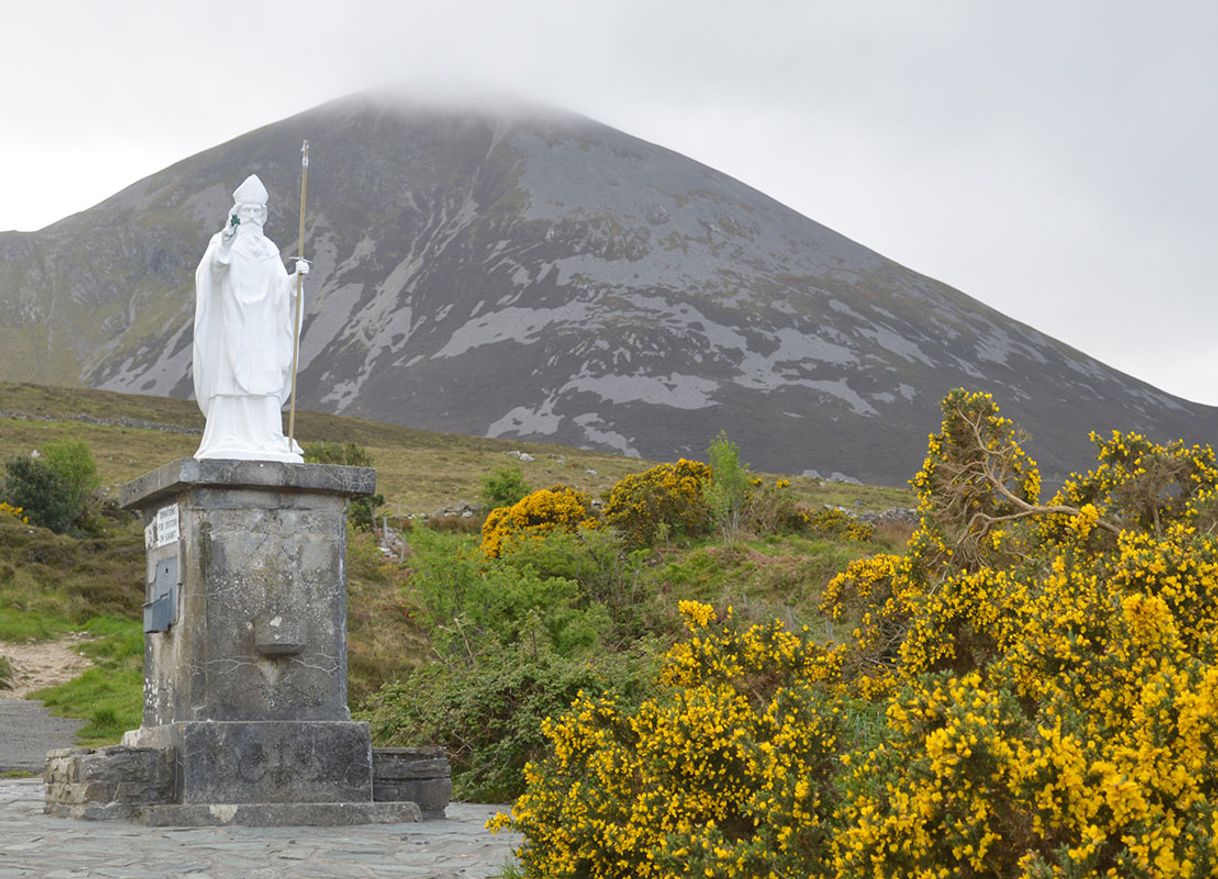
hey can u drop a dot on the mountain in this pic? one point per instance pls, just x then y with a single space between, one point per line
535 274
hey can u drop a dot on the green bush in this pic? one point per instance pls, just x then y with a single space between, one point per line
6 673
58 489
472 604
503 487
606 573
46 497
488 712
74 463
728 490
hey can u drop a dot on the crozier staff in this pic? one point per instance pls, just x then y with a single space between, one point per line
245 310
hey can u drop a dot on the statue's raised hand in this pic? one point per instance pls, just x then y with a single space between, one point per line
302 266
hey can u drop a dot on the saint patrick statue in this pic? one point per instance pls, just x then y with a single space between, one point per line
245 302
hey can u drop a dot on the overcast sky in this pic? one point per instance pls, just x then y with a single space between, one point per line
1056 160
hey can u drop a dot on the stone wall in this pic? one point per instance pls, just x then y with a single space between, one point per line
106 783
416 775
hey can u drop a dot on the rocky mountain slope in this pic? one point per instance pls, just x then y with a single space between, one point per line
535 274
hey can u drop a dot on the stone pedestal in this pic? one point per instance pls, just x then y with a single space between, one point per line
245 655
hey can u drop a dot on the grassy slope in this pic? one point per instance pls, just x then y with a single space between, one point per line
51 584
418 471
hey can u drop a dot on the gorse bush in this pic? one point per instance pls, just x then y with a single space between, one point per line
724 773
666 499
771 508
838 523
557 508
7 509
1029 691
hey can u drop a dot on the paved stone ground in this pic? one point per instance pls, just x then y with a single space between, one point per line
35 846
28 731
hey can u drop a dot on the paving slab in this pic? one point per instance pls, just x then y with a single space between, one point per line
34 845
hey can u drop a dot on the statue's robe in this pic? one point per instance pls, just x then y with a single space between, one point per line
244 308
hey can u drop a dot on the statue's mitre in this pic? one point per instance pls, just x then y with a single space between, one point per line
250 192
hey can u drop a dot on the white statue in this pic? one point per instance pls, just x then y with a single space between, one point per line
244 310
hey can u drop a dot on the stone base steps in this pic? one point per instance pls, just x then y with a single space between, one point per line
138 784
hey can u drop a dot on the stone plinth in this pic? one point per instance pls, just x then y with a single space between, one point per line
245 653
257 555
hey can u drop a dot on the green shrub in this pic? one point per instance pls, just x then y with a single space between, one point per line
74 463
46 497
606 572
472 603
503 487
6 673
488 712
728 489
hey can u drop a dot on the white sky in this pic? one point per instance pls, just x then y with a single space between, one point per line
1056 160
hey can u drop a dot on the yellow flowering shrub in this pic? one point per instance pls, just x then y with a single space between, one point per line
7 509
1029 692
557 508
664 498
726 773
773 509
1046 667
834 522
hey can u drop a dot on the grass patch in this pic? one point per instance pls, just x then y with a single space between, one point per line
108 697
51 584
386 638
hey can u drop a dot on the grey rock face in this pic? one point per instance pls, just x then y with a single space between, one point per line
538 275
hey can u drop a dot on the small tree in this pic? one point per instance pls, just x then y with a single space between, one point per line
74 463
45 496
363 510
503 487
729 485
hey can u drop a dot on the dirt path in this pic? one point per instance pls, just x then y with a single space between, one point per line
42 664
27 729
